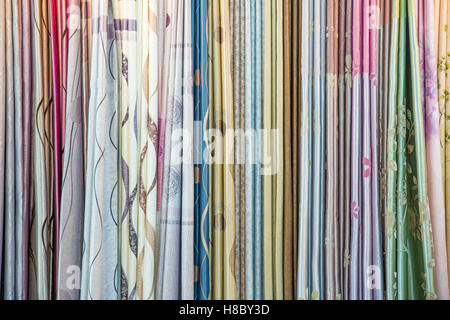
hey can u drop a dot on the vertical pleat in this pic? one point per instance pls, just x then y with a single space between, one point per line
72 189
267 151
3 117
100 260
148 150
295 61
229 149
428 70
287 165
41 222
201 117
441 19
331 234
259 195
56 36
223 213
305 156
348 76
249 155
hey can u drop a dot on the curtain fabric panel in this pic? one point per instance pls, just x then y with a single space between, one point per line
224 150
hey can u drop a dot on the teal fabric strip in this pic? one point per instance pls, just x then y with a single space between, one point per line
100 260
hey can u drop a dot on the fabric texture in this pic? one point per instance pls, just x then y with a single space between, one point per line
224 150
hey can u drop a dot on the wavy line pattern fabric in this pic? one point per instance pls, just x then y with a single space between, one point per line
224 149
224 281
99 266
430 103
201 145
442 39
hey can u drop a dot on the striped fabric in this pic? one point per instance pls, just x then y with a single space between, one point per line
224 150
